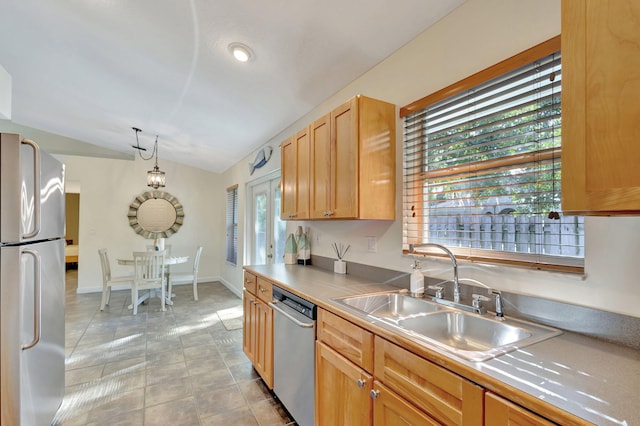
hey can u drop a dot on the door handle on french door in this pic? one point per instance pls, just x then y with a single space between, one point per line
37 298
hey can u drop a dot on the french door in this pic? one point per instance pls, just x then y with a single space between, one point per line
266 231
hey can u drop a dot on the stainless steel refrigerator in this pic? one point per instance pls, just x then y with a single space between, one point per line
32 304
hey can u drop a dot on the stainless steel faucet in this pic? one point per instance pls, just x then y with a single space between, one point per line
454 262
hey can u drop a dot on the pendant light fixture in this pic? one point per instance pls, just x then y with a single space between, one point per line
155 177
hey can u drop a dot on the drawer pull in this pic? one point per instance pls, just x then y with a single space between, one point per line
361 383
374 393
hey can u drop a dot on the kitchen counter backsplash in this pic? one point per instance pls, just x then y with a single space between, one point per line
608 326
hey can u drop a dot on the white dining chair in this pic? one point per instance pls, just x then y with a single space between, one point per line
149 267
108 280
193 277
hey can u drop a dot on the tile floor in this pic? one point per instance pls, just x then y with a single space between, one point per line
179 367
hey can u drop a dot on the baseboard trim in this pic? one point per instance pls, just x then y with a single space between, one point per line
201 280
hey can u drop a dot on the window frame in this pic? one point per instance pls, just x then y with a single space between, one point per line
574 265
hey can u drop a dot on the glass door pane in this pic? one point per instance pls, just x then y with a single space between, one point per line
260 229
267 232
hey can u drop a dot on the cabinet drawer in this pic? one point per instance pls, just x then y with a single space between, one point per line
445 396
264 290
250 282
500 412
346 338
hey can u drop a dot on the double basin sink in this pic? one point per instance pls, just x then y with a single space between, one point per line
471 336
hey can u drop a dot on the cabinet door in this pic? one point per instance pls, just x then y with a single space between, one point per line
302 174
600 108
344 160
444 395
320 177
500 412
248 329
263 356
288 175
390 410
342 390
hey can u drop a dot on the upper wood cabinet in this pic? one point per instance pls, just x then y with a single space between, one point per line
600 108
352 163
295 176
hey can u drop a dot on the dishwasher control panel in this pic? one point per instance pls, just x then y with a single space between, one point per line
297 303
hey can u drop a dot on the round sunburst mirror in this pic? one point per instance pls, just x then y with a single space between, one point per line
155 214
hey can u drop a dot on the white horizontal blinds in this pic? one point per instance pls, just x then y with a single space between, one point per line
482 171
232 224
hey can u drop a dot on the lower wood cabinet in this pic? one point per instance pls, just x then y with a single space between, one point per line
501 412
408 389
342 390
257 338
445 396
391 409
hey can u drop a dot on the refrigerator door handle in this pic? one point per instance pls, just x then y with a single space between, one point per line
37 299
36 188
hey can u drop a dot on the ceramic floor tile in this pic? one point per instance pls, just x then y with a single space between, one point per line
116 405
166 373
82 375
181 412
271 412
125 366
243 372
178 367
201 351
213 379
130 418
166 392
239 417
216 401
255 391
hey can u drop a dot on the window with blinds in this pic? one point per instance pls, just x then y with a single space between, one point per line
482 164
232 224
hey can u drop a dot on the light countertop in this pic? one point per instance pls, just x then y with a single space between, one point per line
585 377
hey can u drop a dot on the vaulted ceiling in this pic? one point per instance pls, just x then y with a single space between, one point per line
93 69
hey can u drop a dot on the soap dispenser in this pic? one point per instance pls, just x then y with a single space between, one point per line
417 280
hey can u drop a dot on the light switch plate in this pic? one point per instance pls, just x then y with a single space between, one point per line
372 245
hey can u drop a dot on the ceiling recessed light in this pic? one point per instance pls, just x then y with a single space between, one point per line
241 52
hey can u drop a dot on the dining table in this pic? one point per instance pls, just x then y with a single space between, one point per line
168 261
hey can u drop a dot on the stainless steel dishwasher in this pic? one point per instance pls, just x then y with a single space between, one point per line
294 336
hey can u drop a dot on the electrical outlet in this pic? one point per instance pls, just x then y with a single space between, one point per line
372 245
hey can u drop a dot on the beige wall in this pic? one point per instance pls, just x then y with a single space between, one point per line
471 38
108 186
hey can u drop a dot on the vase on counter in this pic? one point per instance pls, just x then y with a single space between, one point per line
290 251
340 266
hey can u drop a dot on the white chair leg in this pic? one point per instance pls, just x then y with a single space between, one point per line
195 289
104 301
108 294
170 280
162 297
134 300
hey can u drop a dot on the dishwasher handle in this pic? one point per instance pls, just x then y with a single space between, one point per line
288 315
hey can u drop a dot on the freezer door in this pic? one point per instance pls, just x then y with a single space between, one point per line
32 332
26 170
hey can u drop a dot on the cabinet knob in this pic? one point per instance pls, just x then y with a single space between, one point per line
374 393
261 289
361 383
